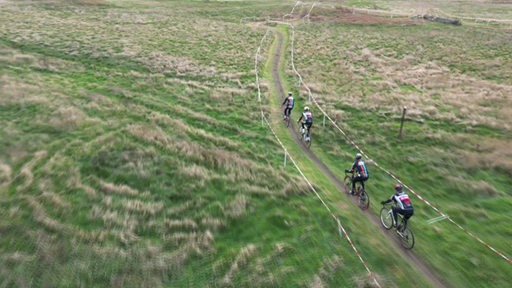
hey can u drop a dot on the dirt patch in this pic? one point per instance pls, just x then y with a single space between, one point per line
349 16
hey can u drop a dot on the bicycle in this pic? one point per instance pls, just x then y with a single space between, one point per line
403 231
305 137
286 119
363 196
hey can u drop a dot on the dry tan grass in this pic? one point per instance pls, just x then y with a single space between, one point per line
152 135
26 170
427 86
56 200
328 268
180 224
145 208
213 223
67 118
17 91
41 216
237 207
240 261
5 175
118 189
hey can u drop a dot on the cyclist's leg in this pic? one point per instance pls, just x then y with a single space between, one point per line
396 210
309 128
362 182
354 181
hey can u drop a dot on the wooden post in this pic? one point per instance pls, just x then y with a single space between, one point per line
402 122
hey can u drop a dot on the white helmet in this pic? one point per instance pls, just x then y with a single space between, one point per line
289 93
306 108
359 156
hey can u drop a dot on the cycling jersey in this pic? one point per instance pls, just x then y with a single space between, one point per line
289 101
361 169
402 200
307 117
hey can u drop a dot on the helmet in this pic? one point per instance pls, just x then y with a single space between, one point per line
306 108
289 93
398 188
359 156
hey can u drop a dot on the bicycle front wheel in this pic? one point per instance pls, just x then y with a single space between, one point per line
347 184
364 200
407 238
386 218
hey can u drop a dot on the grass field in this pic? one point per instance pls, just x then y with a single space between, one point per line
133 153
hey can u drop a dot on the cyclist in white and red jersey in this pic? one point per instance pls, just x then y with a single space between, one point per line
404 204
289 102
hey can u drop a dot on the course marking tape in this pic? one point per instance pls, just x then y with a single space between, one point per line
340 226
313 99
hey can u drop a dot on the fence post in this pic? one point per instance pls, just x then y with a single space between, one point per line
402 122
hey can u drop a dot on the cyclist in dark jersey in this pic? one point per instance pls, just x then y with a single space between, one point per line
290 103
361 174
404 204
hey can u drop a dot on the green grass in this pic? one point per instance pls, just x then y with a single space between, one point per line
133 152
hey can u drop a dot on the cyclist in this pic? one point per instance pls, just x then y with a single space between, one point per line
289 102
361 172
307 120
404 204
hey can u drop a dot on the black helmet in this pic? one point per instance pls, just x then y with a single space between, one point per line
398 188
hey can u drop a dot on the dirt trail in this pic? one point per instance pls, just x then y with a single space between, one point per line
408 254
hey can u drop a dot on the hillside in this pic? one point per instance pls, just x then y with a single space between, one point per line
134 153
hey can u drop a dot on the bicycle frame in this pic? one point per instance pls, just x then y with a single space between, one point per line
363 196
405 234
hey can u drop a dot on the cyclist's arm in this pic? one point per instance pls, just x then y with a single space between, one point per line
300 118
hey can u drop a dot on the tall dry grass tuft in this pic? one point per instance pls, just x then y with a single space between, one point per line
180 224
490 154
145 208
56 199
327 270
90 2
16 91
41 216
212 223
67 118
5 175
118 189
296 186
26 170
240 261
75 180
237 207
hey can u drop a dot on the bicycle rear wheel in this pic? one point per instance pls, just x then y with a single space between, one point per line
386 218
307 141
364 200
407 238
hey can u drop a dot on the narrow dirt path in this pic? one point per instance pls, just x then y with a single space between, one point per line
409 254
